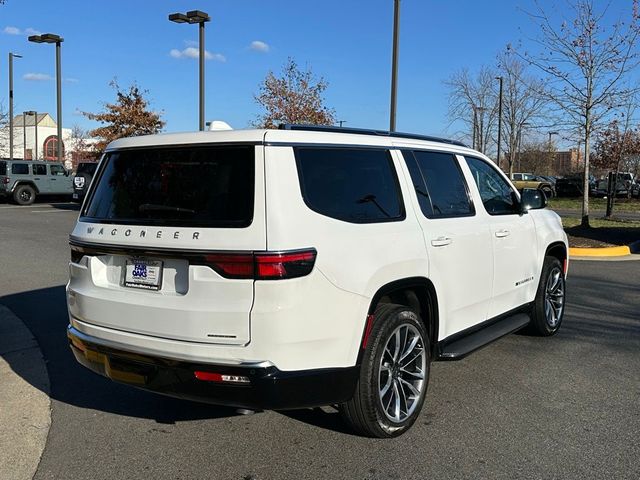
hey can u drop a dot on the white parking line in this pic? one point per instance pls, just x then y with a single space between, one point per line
51 211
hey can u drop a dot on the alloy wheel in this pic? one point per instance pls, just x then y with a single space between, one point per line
401 376
554 297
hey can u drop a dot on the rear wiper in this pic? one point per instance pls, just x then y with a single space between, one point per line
150 207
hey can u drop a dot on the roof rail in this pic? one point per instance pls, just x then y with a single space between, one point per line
366 131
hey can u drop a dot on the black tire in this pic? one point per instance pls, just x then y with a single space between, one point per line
548 191
24 195
548 306
365 412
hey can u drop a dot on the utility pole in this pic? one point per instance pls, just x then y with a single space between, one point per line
499 120
11 57
394 65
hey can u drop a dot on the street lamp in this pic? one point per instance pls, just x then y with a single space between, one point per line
35 124
196 16
11 57
394 65
500 79
33 113
57 39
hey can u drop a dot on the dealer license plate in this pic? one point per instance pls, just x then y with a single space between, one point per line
143 273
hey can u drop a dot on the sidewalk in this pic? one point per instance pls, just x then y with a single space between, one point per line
25 408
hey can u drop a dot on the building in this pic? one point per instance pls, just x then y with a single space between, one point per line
34 139
569 161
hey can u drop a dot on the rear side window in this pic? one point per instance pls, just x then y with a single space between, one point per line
440 186
200 186
350 184
20 169
39 169
3 168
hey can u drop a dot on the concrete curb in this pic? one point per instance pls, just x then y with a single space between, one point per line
25 407
578 253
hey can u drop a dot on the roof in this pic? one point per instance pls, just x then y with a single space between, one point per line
20 120
332 136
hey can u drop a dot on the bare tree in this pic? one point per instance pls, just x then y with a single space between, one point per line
294 97
586 62
80 148
472 101
4 127
129 116
523 105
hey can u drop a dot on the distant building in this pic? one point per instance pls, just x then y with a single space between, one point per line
566 162
39 140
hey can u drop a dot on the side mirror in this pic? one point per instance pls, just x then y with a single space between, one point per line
532 199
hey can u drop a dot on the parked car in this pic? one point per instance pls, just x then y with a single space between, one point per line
624 187
529 180
306 266
573 185
23 180
82 179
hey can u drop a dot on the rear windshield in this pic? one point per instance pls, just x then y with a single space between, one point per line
200 186
89 168
3 168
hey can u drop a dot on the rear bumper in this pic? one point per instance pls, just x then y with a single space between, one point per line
268 387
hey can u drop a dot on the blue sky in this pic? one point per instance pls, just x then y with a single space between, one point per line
347 41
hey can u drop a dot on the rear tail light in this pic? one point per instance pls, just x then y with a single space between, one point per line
262 265
6 180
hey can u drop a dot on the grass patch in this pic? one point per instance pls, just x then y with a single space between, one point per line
620 205
570 222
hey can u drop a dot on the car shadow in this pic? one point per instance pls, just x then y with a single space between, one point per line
44 312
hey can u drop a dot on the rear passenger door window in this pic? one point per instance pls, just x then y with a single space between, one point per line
497 195
20 169
350 184
39 169
439 184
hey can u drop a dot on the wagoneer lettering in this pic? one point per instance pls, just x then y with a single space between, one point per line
306 266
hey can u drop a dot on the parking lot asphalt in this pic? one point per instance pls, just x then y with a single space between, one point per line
563 407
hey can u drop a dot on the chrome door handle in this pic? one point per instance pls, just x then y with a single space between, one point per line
441 241
503 233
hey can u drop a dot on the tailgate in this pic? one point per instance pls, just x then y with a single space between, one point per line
153 278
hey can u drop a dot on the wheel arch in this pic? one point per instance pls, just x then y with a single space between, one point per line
19 183
417 293
558 250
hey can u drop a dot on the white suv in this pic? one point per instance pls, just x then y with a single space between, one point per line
306 266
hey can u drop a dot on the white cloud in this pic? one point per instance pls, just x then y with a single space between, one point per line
71 80
259 46
16 31
37 77
192 52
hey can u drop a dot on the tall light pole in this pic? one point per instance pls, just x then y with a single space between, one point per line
394 65
57 39
196 16
24 135
500 79
34 114
11 57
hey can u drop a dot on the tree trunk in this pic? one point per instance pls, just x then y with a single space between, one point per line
585 193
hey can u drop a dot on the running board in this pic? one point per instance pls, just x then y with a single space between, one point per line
462 344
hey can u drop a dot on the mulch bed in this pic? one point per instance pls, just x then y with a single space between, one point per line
602 236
